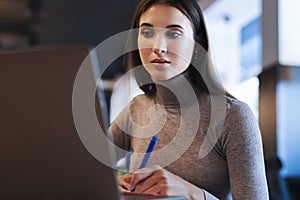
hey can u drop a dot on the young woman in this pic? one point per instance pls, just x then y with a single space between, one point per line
209 143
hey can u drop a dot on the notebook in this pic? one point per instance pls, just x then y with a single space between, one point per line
42 154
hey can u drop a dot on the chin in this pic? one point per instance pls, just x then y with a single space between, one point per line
161 78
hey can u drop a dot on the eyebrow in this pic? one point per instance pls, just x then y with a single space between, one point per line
169 26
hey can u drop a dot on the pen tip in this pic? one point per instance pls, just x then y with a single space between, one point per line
154 138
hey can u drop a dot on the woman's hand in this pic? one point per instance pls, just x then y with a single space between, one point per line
124 181
155 180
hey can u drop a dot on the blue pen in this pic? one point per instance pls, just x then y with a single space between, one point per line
149 151
128 156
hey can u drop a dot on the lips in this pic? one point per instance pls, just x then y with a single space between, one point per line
160 61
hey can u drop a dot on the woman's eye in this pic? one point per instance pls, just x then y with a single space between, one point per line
147 33
173 34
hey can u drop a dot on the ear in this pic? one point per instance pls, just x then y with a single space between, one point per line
195 53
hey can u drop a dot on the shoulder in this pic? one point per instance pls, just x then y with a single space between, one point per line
239 116
235 106
138 104
240 121
224 107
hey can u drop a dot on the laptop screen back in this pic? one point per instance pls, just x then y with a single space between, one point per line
42 156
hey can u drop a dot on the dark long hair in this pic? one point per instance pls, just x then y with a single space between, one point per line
200 70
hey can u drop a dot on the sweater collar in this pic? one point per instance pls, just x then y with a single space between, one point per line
178 90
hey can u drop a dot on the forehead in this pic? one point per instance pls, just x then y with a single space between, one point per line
162 16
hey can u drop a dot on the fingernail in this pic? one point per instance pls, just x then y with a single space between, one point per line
128 179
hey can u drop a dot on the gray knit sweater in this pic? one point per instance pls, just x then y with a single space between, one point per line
220 156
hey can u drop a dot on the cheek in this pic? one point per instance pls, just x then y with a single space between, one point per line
144 44
144 47
183 52
143 55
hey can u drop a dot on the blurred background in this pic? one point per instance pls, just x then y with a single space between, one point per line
254 44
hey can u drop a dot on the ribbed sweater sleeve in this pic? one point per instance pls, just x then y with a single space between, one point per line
242 145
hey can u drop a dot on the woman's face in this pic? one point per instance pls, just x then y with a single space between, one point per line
165 41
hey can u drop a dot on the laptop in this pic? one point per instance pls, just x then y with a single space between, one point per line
42 153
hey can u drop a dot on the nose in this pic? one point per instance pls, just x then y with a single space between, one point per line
160 45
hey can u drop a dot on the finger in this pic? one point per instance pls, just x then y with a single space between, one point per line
142 174
154 179
159 189
125 180
138 178
122 189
